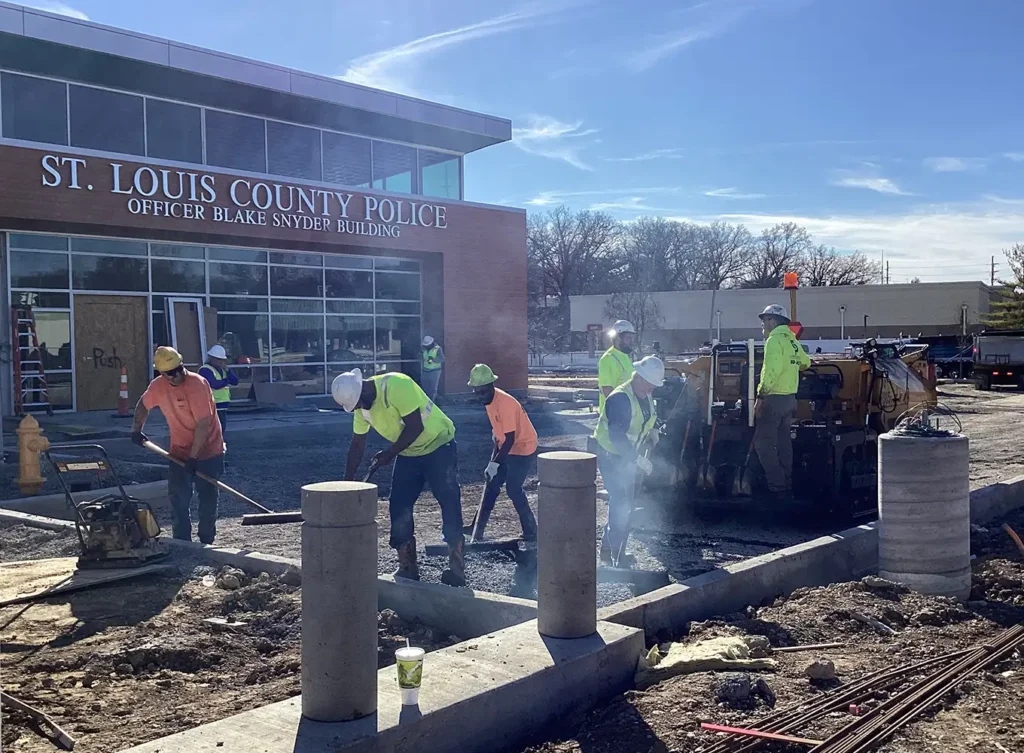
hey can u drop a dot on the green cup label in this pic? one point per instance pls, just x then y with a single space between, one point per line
410 673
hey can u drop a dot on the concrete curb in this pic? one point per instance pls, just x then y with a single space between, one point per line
56 505
35 521
996 500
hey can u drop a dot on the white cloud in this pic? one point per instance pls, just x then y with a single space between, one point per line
666 46
732 193
1015 156
954 164
389 69
867 177
57 7
555 139
648 156
549 198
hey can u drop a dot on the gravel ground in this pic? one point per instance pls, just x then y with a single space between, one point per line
984 715
992 422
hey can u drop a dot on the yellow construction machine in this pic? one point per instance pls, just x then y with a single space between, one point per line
844 402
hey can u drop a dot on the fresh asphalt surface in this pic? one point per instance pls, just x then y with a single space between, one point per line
272 454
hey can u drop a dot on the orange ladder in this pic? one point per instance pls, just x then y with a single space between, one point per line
30 391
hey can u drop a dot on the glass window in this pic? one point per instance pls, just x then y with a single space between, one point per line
175 276
41 300
397 285
53 328
59 390
247 375
298 339
29 270
107 246
235 141
344 283
439 174
397 337
239 304
45 242
160 334
238 279
350 339
301 260
238 254
293 150
308 380
297 305
405 265
109 273
350 307
246 338
177 252
34 109
396 307
393 166
348 262
295 281
346 160
107 120
174 131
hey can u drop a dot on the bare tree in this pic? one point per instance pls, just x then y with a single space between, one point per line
660 254
823 265
723 252
639 307
778 250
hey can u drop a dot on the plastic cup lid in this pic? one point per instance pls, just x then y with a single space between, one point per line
410 653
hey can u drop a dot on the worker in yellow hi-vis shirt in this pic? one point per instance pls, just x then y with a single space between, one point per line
423 447
615 366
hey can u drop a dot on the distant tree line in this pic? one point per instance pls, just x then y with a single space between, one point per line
583 252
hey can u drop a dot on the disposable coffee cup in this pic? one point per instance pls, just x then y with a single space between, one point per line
409 661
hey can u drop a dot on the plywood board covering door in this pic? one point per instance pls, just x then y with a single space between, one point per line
187 338
111 332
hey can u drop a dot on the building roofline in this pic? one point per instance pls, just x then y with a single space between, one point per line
52 27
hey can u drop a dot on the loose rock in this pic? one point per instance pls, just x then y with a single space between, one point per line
822 670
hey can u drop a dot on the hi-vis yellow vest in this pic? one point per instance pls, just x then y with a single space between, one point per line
638 428
221 394
430 362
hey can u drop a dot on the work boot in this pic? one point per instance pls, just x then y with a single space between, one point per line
455 575
407 565
606 551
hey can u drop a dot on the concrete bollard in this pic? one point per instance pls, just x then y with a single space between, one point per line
567 544
339 600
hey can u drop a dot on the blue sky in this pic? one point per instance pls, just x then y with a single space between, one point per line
892 126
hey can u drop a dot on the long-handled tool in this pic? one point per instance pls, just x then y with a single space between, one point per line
273 518
209 479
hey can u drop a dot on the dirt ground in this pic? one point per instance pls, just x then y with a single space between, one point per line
991 420
984 715
121 664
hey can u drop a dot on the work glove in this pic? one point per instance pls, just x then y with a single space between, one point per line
491 471
139 438
644 465
191 464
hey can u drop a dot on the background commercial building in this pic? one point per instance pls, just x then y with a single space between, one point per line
689 318
158 193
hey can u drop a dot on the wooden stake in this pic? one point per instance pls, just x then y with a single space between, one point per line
59 736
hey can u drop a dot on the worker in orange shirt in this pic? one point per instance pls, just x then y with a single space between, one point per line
515 444
186 402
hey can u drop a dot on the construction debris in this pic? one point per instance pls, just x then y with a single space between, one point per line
733 653
48 727
30 580
822 670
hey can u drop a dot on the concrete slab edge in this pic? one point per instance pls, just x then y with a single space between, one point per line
56 505
35 521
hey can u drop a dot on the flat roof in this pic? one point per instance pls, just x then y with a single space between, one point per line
161 67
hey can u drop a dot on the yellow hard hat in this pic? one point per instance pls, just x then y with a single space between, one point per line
166 358
481 375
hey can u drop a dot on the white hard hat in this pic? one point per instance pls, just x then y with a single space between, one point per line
217 351
774 309
620 327
346 389
651 369
427 341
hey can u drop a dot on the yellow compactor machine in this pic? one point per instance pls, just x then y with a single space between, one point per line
844 402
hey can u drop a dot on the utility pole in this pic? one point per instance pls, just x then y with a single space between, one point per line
883 267
887 273
992 275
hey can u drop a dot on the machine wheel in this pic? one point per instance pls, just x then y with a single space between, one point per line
983 382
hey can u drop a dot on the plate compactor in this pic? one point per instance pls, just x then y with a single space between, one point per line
115 530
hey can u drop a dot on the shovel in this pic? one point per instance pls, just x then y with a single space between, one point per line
209 479
273 518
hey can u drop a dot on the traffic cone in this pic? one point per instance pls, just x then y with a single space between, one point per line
123 408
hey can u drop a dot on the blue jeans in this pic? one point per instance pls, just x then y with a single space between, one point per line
429 381
440 471
179 490
512 474
619 476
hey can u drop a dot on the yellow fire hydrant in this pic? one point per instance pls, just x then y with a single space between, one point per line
31 443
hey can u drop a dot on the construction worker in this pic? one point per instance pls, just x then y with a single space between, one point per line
626 422
433 360
423 448
615 366
515 444
774 410
186 402
221 379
